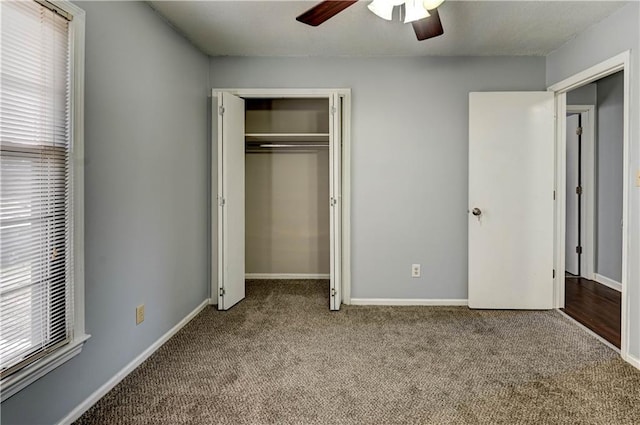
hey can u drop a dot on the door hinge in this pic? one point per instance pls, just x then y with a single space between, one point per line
578 250
579 190
333 110
333 201
221 201
333 292
579 131
221 110
554 195
554 273
222 292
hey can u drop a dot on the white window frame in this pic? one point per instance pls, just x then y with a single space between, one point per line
22 378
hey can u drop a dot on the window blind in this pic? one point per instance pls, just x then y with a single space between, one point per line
35 178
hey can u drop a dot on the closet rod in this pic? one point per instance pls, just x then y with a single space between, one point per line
290 145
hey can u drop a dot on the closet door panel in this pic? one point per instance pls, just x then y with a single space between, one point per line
231 201
335 201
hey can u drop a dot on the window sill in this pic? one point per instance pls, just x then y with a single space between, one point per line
19 380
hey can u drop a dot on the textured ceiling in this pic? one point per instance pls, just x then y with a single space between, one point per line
472 28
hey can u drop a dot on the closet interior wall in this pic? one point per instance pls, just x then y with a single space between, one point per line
287 187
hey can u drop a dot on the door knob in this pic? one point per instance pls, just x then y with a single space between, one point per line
476 212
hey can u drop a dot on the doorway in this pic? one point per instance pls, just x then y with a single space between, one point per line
247 124
594 157
287 188
612 235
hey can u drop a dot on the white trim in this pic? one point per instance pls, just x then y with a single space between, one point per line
346 196
633 361
560 201
607 282
588 113
218 208
37 370
345 94
620 62
409 302
281 93
589 75
119 376
214 242
589 331
77 59
77 28
282 276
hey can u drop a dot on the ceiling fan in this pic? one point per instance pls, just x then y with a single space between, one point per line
425 28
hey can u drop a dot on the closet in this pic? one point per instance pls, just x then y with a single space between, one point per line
279 191
287 188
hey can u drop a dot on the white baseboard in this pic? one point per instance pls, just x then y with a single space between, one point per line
292 276
633 361
115 380
408 301
607 282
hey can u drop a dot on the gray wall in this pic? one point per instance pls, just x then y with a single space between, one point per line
609 176
409 156
613 35
585 95
146 200
287 212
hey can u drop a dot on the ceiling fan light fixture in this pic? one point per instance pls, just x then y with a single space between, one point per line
382 8
431 4
414 11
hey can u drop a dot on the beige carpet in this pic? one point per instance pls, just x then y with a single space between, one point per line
280 357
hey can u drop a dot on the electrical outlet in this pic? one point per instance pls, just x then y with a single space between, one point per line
415 270
638 179
139 314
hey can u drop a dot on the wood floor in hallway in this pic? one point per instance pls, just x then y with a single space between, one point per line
594 305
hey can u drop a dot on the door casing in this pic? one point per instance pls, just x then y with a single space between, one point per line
620 62
345 177
588 113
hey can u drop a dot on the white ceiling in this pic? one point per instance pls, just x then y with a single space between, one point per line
472 28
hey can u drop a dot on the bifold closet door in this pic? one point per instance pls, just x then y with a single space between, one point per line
335 201
231 198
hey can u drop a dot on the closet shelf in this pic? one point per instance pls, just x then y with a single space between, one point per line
287 137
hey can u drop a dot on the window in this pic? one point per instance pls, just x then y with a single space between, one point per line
40 140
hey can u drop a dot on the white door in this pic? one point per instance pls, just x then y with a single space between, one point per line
230 200
511 206
335 201
573 211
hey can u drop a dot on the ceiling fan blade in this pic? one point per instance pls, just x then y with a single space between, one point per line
323 11
428 27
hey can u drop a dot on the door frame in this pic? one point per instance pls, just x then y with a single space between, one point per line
256 93
587 112
620 62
